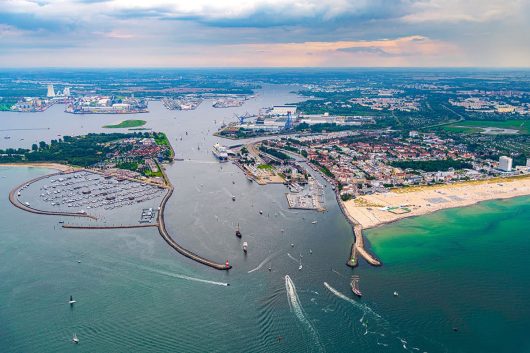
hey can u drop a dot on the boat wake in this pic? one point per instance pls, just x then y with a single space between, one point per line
378 318
363 307
267 259
292 258
296 307
184 277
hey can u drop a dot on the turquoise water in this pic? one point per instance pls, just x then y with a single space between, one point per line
466 268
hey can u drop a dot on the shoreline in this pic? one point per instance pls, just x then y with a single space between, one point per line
376 210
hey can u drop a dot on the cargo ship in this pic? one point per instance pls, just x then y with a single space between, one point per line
220 152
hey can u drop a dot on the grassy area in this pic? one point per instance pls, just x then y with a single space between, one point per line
472 126
265 167
126 124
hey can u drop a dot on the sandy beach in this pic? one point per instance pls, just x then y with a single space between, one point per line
56 166
373 210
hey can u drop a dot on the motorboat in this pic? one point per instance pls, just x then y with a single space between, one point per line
75 339
71 301
245 247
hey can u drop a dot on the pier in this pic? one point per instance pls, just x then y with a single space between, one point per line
358 246
74 226
163 232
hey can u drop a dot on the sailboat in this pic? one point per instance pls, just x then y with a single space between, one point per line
238 232
71 301
75 339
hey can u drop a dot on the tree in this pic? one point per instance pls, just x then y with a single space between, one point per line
42 145
34 147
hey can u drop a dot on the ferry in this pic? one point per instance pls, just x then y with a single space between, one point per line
220 152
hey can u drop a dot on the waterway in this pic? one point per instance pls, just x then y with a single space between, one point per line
461 268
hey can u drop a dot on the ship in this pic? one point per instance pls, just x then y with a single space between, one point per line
355 286
238 232
245 247
220 152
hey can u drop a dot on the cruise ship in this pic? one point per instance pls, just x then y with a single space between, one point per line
220 152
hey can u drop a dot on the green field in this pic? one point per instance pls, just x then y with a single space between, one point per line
472 126
126 124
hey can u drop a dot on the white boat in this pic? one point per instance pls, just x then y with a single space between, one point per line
71 301
300 267
75 339
314 222
396 294
220 152
245 246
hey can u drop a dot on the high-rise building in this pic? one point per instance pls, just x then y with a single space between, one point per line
51 91
505 164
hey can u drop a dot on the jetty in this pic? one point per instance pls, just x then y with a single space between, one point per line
358 245
165 235
75 226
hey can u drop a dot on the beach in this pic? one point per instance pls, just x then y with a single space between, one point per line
381 208
56 166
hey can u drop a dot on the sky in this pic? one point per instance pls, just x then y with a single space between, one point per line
264 33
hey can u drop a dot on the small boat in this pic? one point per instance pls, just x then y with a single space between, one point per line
300 266
260 212
71 301
238 232
396 294
245 247
310 251
270 268
355 286
292 245
233 198
314 222
75 339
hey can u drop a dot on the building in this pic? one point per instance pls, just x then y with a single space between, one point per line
413 134
51 91
505 164
528 162
283 110
66 92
